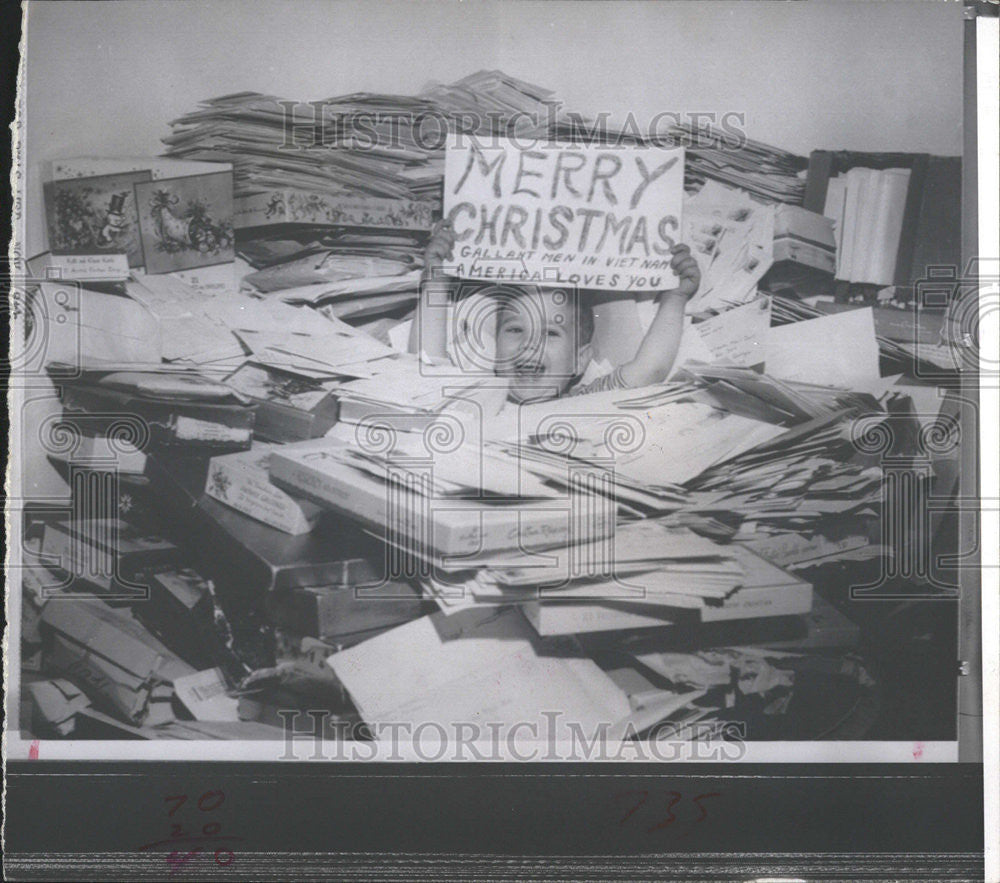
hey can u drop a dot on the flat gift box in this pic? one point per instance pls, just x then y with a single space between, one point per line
443 526
245 556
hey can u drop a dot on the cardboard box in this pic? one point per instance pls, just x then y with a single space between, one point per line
804 237
180 611
104 554
246 558
241 481
112 658
330 612
289 407
290 206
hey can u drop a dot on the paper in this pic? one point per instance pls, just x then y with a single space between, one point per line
737 336
559 214
478 666
186 222
204 694
95 216
732 238
838 350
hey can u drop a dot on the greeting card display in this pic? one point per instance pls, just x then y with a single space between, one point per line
95 216
186 222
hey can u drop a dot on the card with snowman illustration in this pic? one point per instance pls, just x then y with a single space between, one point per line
95 216
186 222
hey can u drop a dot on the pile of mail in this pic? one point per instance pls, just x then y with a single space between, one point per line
768 173
412 544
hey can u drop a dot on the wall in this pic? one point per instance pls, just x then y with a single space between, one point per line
105 78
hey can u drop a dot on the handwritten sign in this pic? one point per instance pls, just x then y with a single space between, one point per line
565 214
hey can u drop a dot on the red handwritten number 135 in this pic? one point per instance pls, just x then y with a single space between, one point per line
675 797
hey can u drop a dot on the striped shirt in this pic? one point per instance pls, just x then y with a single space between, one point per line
607 383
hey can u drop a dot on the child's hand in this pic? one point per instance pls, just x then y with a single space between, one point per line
686 269
440 246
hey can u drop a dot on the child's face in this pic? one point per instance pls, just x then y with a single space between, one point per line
538 345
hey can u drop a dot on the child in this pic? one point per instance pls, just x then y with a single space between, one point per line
543 335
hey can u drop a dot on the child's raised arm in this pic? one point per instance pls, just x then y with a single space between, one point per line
656 354
429 331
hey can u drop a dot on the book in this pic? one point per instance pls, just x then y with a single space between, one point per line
240 480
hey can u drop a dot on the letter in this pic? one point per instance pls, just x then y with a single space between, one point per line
466 123
394 728
661 231
638 235
511 129
442 130
554 213
603 177
358 729
394 124
511 743
565 170
443 740
488 224
453 214
522 172
536 230
484 167
512 226
291 129
289 716
577 736
363 123
551 723
628 130
461 741
738 132
630 741
648 178
588 215
616 228
654 128
578 128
